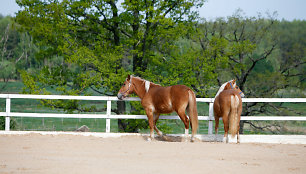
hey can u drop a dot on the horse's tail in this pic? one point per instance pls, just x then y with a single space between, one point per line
192 111
234 120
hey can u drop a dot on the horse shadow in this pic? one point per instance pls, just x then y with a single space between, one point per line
166 138
181 138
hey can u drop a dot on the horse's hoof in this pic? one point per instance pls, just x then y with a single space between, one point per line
225 140
149 139
160 133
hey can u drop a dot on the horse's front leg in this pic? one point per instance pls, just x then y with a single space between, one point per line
155 118
151 123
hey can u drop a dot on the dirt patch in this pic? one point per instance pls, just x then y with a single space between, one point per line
34 153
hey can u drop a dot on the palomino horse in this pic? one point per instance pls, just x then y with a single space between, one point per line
228 105
157 100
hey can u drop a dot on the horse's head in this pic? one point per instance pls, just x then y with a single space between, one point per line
232 85
239 90
126 89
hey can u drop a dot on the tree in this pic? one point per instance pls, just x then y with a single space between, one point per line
7 42
93 44
16 51
292 50
249 46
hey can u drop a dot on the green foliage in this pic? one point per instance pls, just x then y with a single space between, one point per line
29 83
2 123
292 52
74 30
7 69
99 42
16 50
256 54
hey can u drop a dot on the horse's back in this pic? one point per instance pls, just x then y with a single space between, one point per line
167 99
223 100
226 94
179 91
173 92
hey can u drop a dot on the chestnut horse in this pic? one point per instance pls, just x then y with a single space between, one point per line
228 105
157 100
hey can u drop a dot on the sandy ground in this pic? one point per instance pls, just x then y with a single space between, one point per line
34 153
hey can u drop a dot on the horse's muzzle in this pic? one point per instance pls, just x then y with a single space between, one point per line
242 95
120 96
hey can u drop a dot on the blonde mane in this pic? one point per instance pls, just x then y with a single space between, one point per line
223 86
146 82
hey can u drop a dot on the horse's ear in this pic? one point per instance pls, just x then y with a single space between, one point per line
128 77
234 81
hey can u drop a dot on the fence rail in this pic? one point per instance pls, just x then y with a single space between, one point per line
108 115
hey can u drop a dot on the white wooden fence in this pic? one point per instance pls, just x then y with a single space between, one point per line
109 115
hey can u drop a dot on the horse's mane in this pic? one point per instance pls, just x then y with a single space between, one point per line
147 83
222 88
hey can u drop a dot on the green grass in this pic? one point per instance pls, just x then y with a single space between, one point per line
11 87
62 124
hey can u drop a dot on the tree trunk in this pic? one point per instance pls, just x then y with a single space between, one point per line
121 110
241 130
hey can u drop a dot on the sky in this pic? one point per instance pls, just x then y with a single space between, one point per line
212 9
286 9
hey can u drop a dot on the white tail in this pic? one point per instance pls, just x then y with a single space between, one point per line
193 113
233 123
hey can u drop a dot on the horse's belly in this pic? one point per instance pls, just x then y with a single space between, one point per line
164 108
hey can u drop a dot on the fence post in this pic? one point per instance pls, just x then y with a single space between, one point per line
108 113
210 119
8 110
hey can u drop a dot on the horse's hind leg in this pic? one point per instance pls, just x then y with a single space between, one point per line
185 120
226 127
216 127
239 116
